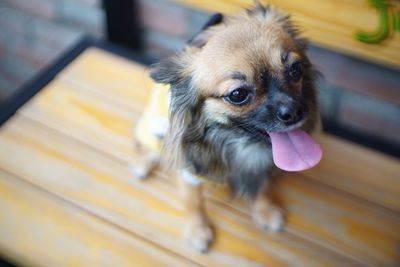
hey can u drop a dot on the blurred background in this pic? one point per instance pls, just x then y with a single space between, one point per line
359 94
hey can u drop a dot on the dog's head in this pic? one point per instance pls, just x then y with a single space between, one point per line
248 70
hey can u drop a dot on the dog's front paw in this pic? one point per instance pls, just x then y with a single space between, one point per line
269 217
198 234
142 168
139 172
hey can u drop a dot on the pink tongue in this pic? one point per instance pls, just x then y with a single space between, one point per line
294 150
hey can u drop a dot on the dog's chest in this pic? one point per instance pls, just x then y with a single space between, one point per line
249 155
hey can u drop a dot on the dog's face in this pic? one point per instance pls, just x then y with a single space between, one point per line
250 69
254 74
246 71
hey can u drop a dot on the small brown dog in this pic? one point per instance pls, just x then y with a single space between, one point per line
241 99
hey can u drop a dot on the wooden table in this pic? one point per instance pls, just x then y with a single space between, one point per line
67 197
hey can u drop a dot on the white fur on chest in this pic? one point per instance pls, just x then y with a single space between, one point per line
252 156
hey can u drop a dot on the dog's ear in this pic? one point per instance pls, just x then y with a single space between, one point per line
201 38
184 107
167 71
215 19
185 124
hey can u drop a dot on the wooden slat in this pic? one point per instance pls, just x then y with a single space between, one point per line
332 232
113 77
103 185
329 23
359 171
38 229
89 110
345 166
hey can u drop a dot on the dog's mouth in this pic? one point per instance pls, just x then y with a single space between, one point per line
294 150
264 134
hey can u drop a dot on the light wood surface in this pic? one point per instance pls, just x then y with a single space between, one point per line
329 23
68 199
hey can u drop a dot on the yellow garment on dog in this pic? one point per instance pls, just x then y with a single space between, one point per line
153 124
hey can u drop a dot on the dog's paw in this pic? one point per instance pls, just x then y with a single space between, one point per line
269 217
199 235
139 172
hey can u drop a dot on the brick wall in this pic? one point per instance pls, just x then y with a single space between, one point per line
359 95
35 32
167 25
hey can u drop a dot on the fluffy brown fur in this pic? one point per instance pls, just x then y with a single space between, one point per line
227 142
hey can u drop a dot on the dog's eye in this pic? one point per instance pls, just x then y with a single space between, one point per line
239 96
295 71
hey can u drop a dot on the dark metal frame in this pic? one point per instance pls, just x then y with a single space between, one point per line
29 89
45 76
123 23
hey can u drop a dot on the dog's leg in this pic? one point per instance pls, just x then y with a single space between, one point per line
197 230
265 213
142 167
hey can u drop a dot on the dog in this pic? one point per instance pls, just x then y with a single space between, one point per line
236 103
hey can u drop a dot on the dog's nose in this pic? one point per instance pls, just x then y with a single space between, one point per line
290 114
